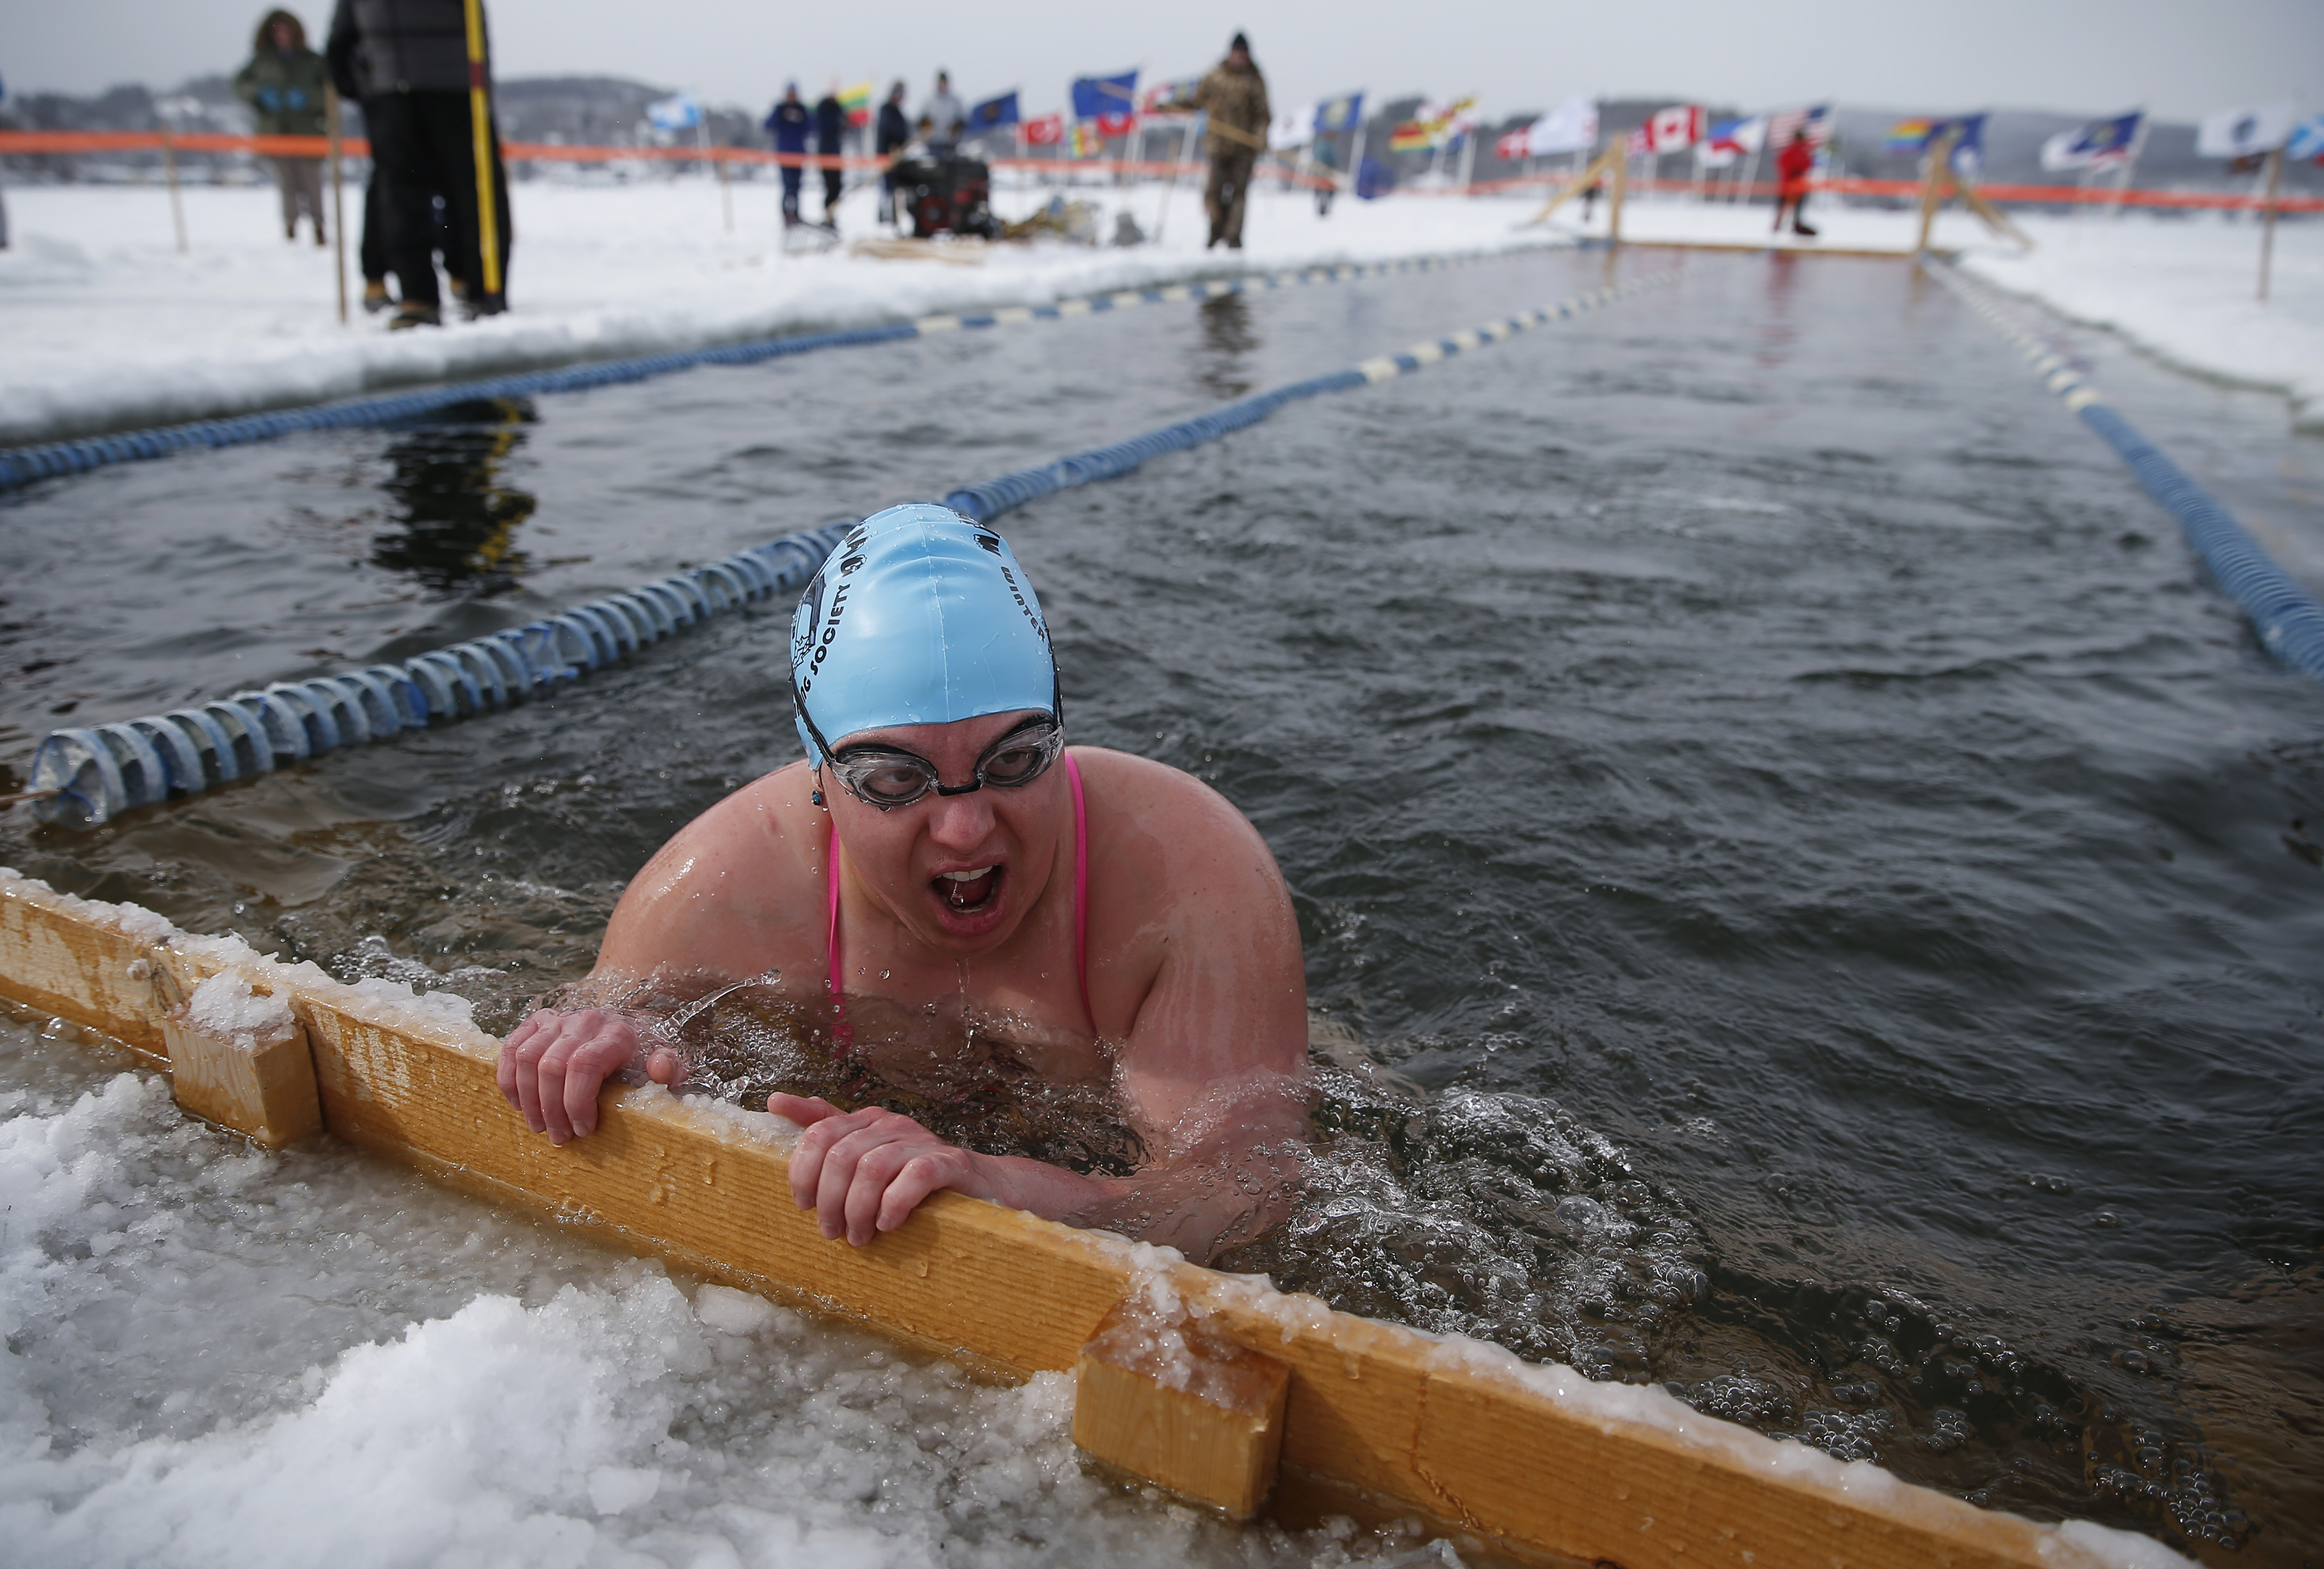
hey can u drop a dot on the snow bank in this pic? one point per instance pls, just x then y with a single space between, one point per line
104 326
2185 292
211 1355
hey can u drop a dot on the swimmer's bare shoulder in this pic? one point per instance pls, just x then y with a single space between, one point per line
736 892
1194 954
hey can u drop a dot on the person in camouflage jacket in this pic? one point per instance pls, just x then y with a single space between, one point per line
1234 96
283 85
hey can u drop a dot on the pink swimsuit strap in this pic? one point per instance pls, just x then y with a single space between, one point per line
844 1036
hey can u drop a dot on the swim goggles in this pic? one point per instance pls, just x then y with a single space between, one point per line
889 777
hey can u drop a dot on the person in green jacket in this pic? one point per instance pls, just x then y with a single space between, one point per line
284 83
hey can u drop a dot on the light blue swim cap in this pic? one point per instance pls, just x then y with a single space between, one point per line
920 616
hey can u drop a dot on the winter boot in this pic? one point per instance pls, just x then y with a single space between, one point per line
412 313
375 297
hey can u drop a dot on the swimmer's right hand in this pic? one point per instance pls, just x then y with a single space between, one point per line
552 1065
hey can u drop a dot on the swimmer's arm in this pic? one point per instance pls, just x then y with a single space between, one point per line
1215 1071
864 1172
709 903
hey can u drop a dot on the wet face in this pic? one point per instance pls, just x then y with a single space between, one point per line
960 872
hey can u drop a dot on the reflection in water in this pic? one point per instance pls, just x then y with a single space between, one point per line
1227 338
458 515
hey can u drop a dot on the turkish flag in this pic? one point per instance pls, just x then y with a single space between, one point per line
1046 130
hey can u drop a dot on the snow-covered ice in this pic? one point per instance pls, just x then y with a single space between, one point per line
104 326
213 1355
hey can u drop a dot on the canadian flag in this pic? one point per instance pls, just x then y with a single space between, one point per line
1674 129
1044 130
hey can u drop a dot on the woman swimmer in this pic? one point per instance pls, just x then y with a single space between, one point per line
1110 919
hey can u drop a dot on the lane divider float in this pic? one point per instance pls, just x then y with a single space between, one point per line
21 466
2289 620
86 775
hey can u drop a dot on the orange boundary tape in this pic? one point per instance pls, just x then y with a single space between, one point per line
24 143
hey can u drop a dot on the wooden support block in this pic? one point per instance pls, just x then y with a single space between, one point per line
258 1080
1182 1408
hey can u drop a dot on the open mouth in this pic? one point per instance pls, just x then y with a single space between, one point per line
965 892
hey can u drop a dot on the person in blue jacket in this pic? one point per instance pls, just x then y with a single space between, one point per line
789 121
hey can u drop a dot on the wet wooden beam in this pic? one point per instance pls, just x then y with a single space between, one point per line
1172 1403
1376 1420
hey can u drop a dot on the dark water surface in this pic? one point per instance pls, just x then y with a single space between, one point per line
1809 896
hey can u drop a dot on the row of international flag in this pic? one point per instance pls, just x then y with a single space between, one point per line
1113 106
1105 107
2113 142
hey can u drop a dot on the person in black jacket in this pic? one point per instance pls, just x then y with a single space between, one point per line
831 141
407 61
894 134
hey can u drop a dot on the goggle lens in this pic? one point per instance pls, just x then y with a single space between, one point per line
887 779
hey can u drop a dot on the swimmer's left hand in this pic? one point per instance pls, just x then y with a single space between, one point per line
865 1172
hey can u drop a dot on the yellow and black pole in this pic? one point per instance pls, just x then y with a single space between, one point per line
480 121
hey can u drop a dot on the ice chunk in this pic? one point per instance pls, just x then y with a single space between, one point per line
226 1007
733 1312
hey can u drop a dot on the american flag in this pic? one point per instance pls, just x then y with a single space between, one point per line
1813 118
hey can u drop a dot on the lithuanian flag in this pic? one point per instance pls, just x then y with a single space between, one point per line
857 101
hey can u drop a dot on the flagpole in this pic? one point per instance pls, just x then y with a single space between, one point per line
1356 151
2267 220
480 127
1170 185
338 198
2130 164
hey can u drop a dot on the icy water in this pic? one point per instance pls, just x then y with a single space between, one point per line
1809 896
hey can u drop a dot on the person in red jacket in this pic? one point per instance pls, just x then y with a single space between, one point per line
1793 163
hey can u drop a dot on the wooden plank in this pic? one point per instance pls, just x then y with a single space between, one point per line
1536 1459
1170 1402
264 1087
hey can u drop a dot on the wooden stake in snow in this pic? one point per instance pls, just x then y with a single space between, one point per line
2267 219
338 198
176 202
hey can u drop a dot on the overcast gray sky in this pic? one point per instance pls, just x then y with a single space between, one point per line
2178 57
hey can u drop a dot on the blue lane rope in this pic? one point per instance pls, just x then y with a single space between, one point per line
98 771
21 466
2288 618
